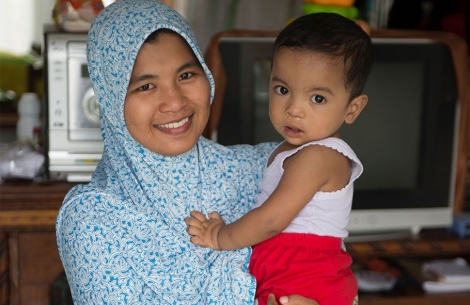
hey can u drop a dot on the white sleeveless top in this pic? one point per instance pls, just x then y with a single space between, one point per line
327 213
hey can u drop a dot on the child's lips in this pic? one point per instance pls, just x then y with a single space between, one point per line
292 131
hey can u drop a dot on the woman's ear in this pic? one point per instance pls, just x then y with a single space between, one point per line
355 107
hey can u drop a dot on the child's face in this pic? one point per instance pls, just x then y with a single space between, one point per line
308 100
167 102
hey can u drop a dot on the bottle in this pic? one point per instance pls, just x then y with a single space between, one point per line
29 110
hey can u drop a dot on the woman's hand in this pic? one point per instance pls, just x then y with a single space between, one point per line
204 231
291 300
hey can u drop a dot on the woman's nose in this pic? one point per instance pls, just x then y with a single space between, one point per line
172 100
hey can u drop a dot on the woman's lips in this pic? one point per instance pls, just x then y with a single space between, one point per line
176 128
174 124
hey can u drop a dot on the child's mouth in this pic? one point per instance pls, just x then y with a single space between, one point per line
292 131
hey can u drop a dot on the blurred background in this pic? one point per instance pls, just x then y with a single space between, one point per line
22 32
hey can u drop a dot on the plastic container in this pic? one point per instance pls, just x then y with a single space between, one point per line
29 111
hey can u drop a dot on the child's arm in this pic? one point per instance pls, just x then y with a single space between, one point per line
305 173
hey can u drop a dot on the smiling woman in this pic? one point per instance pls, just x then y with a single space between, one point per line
168 100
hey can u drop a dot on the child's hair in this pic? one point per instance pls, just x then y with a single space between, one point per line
335 36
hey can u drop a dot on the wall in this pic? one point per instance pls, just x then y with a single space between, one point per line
21 23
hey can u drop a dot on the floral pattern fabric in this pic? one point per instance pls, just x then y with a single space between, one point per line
122 237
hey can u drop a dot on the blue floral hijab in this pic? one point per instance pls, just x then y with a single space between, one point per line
122 238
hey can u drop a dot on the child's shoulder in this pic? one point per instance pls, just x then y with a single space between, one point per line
331 145
322 146
322 152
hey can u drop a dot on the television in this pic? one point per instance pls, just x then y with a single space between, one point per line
411 137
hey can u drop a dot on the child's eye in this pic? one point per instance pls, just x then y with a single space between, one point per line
317 99
186 75
281 90
146 87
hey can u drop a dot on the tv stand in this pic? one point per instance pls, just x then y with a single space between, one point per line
379 236
369 236
430 244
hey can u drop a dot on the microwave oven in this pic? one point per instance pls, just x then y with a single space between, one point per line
74 144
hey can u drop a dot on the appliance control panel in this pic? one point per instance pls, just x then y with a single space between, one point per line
59 46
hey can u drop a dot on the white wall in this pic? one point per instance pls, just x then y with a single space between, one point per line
21 23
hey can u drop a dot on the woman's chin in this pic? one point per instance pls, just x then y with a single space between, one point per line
174 144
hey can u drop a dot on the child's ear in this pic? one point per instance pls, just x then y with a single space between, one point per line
355 107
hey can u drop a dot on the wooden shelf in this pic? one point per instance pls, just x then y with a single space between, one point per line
428 243
8 120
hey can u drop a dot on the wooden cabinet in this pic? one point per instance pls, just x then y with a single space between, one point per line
34 265
29 259
30 263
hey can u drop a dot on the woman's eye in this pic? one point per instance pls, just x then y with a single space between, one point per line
317 99
186 75
281 90
145 87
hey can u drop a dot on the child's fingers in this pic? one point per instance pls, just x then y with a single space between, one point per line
190 221
198 215
198 241
214 215
192 230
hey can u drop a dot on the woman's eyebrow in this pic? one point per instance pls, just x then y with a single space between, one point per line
142 77
187 65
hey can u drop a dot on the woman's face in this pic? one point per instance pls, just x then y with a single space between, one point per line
167 103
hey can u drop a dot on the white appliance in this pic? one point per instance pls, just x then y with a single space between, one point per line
73 135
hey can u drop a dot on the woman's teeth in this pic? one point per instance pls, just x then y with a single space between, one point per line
175 124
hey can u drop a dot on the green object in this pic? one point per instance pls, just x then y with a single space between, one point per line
350 12
232 15
12 59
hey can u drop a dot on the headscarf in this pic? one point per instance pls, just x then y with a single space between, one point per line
122 238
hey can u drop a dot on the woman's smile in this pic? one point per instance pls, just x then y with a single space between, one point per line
175 128
173 125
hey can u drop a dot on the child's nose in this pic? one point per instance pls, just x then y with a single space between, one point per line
294 109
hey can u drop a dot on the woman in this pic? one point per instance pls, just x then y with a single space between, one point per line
122 238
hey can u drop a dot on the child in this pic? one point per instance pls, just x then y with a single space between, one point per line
320 66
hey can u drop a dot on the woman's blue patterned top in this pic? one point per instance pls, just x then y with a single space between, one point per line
122 238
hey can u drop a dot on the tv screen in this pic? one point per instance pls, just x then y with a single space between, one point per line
406 137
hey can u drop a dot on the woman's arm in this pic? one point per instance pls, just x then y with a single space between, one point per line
304 174
95 269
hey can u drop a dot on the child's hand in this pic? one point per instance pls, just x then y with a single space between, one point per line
204 231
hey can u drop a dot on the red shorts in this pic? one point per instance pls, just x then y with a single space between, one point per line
309 265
